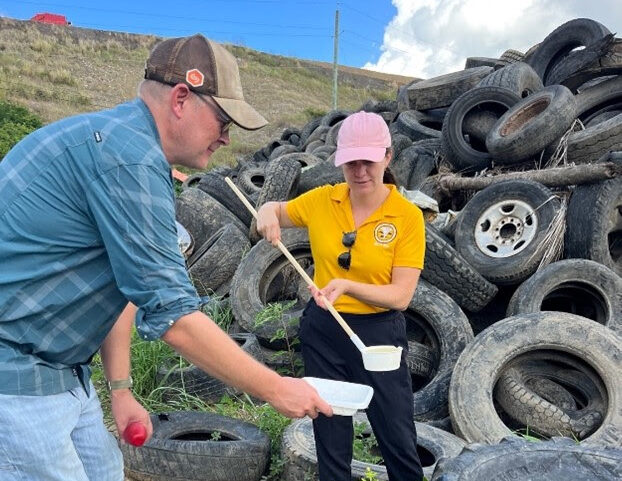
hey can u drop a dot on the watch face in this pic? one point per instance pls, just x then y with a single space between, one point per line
184 240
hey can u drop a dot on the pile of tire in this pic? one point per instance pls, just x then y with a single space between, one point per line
547 351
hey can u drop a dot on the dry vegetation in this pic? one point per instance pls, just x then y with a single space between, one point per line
58 71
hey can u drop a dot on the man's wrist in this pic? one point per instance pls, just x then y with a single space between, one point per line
120 384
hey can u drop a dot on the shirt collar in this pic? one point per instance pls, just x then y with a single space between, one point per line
389 208
140 103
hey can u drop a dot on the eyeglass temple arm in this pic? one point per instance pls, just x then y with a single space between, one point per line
355 339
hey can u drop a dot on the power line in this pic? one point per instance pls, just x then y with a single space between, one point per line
369 39
194 19
222 32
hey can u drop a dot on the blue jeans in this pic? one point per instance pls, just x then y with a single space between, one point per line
60 437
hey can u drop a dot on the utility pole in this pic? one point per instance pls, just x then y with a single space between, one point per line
335 53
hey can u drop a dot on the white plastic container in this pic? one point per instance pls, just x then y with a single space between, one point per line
382 358
344 397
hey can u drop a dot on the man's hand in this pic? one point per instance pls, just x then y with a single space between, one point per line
295 398
126 409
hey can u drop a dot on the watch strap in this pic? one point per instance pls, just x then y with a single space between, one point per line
120 384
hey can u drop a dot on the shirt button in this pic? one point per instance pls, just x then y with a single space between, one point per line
171 322
145 336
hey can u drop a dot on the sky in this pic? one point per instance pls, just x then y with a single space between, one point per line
416 38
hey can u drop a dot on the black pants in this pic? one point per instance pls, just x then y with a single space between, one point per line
328 353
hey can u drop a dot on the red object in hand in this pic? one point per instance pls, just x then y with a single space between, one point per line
135 433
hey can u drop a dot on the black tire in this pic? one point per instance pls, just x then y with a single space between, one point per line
471 405
399 142
251 177
202 215
378 106
420 156
318 135
421 360
265 276
435 320
331 135
578 286
441 91
183 448
288 133
473 62
587 146
192 180
551 400
281 184
576 61
323 152
532 124
303 158
324 172
501 229
598 97
558 459
308 129
193 381
286 362
575 33
423 158
417 126
282 150
518 77
300 458
594 223
602 116
334 117
215 262
447 270
403 96
512 56
461 154
214 184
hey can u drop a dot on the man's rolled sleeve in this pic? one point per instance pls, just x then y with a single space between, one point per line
133 208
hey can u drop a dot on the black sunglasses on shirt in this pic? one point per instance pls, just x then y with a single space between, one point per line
345 258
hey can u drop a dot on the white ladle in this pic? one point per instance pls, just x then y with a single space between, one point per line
375 358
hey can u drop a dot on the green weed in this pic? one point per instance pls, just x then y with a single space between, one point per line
273 312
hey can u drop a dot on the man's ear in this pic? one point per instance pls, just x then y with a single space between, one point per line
179 98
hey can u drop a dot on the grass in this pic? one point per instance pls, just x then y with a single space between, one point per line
60 71
147 357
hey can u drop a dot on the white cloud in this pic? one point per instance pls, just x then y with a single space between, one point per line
432 37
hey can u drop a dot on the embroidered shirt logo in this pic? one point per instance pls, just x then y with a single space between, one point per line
194 77
385 233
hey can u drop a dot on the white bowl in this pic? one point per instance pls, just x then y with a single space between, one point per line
382 358
344 397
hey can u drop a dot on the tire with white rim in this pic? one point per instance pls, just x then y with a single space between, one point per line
500 230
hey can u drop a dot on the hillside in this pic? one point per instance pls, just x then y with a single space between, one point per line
58 71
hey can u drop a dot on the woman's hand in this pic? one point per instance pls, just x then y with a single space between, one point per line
268 222
331 292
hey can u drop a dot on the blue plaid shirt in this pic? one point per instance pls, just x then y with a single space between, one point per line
87 222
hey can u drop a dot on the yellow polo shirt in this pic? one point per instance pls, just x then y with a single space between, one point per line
392 236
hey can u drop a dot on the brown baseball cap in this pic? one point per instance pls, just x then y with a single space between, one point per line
206 68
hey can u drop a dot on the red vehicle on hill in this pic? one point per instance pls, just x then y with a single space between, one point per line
52 18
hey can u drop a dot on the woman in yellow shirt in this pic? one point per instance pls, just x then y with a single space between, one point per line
368 244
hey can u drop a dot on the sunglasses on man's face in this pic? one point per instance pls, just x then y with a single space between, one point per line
223 119
345 258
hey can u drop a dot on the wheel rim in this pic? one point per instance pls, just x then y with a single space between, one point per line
506 228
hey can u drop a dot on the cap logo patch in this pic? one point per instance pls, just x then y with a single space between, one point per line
385 233
194 77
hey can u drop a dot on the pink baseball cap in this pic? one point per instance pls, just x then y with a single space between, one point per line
362 136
